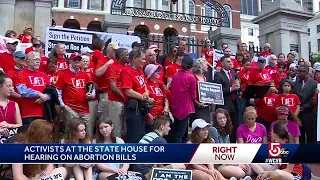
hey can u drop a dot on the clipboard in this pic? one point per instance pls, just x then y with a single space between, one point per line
255 91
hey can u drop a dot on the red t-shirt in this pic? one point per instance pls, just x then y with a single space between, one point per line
291 100
54 76
244 77
73 90
264 54
266 107
24 39
156 93
113 73
167 62
133 79
98 58
29 49
13 74
7 62
62 63
234 62
297 168
254 65
44 64
257 76
37 81
172 69
271 69
101 81
209 54
277 78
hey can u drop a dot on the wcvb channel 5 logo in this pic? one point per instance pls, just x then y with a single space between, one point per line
276 153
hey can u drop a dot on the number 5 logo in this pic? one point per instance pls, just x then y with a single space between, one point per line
274 149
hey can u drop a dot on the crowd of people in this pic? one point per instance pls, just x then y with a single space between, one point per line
138 97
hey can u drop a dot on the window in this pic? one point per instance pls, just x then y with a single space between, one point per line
250 31
251 44
250 7
319 45
73 3
55 3
165 2
208 11
244 7
95 4
255 6
192 9
228 10
318 28
308 30
138 4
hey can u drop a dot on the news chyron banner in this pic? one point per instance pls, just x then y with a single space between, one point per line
75 40
273 153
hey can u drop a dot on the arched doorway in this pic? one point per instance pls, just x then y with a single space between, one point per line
143 32
94 26
170 38
72 24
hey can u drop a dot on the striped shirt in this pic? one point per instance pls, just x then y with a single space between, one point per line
152 138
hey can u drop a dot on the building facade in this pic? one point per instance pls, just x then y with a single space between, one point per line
314 30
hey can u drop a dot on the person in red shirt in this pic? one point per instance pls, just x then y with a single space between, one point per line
266 107
35 45
259 75
11 34
156 89
172 57
272 67
137 101
6 59
26 37
266 50
281 58
288 98
72 94
151 57
101 68
244 74
58 54
115 94
281 74
208 53
240 58
290 59
30 85
173 68
53 73
227 52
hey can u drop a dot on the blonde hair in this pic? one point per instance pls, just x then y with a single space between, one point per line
85 57
272 56
198 65
249 110
32 55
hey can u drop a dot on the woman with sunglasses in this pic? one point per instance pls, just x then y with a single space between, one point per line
280 74
26 37
172 57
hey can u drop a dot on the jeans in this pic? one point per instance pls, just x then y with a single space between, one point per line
135 124
178 129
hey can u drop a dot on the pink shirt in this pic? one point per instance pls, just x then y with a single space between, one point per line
292 126
184 93
255 137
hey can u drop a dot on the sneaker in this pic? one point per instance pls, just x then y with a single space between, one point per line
233 178
247 178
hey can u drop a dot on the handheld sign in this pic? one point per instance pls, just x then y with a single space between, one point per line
129 176
210 93
171 174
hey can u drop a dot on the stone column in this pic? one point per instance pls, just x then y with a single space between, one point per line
84 4
262 40
129 3
7 8
61 3
107 6
303 47
174 7
180 6
159 4
43 15
186 6
282 45
152 5
116 24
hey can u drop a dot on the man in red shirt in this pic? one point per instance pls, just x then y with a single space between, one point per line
174 68
30 85
266 51
35 45
227 53
259 75
72 95
115 93
101 68
151 57
6 59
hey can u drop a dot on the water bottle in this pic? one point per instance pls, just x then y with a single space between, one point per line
71 177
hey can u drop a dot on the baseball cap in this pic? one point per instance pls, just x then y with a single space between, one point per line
187 61
199 123
19 54
86 50
262 58
12 41
42 44
150 69
154 47
181 53
318 68
75 55
113 45
136 44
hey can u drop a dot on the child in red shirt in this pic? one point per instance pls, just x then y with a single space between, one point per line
244 74
288 98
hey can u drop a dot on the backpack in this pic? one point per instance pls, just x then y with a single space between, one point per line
306 172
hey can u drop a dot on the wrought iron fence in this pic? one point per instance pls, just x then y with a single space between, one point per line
254 49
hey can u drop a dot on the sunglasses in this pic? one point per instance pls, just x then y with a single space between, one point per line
301 61
30 29
281 67
77 59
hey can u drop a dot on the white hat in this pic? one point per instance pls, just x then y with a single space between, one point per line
150 69
11 41
200 123
86 50
154 47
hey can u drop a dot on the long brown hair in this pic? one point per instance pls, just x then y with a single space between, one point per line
226 130
172 57
282 131
194 137
72 130
39 131
99 137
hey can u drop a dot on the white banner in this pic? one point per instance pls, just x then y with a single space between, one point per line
20 47
75 40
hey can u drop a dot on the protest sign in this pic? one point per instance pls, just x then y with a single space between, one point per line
171 174
12 132
75 40
129 176
210 93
